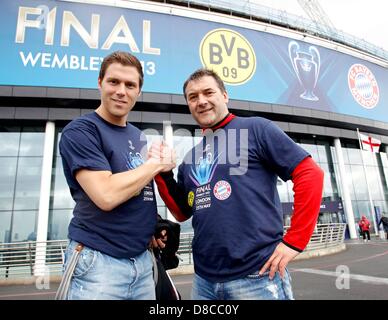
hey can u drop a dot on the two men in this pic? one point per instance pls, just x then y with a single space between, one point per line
238 247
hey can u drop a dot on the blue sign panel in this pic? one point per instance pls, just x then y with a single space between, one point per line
61 44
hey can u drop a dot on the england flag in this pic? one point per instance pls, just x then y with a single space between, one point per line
368 143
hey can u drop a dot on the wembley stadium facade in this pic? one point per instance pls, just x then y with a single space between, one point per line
318 89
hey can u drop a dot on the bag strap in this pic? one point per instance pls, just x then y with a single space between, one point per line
66 278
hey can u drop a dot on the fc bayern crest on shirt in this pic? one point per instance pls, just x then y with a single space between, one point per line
363 86
222 190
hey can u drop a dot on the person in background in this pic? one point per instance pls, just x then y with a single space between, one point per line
384 222
364 225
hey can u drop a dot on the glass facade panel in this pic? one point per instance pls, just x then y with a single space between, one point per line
31 144
58 224
368 164
282 190
24 223
5 224
328 190
290 185
338 179
61 202
345 155
323 149
27 191
359 184
9 144
7 182
21 153
354 156
369 158
333 154
374 181
322 153
383 170
310 147
60 194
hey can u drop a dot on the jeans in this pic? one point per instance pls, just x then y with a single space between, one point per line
251 287
98 276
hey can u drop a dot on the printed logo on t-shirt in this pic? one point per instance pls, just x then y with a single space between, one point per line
203 197
133 160
222 190
190 198
202 172
148 193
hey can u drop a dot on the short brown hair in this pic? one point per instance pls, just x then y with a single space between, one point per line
200 73
124 58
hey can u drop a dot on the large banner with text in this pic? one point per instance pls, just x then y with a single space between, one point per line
61 44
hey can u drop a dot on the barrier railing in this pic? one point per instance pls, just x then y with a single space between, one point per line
20 259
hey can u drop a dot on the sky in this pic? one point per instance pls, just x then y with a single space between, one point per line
365 19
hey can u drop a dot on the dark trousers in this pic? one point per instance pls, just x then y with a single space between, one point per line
367 233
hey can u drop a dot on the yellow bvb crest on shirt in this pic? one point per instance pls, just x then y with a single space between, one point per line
190 198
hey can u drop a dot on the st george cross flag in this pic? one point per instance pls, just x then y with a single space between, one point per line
368 143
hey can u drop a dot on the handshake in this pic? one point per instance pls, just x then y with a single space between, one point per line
162 155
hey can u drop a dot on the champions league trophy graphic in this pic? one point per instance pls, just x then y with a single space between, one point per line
306 66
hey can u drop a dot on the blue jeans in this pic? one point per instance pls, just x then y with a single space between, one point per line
251 287
98 276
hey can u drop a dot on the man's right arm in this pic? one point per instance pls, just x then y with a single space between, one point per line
173 195
108 190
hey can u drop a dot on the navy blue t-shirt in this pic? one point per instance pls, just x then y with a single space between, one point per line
92 143
230 181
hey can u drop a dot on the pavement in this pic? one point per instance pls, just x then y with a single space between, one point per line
357 273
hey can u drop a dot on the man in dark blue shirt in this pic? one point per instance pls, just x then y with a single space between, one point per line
227 183
110 179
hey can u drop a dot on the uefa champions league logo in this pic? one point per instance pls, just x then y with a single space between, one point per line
363 86
306 66
202 172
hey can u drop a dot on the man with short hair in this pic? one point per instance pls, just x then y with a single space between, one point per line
110 180
239 248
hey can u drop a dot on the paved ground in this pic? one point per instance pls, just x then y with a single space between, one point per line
359 273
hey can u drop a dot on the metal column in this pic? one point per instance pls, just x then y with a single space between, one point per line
345 190
44 200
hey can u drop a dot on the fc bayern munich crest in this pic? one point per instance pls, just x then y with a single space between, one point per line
222 190
363 86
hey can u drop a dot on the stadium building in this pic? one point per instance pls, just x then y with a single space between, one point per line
319 88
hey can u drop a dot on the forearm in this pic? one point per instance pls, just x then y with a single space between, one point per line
122 186
109 190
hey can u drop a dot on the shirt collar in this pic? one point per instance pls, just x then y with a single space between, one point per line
228 118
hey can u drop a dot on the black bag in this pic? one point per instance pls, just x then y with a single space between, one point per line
165 259
168 255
